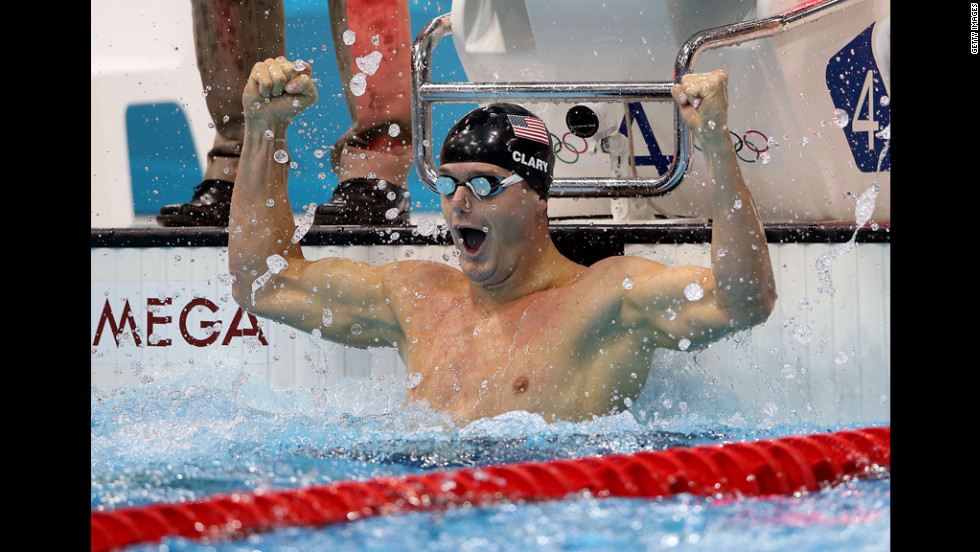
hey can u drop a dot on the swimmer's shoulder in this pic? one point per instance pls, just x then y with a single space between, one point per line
422 273
621 266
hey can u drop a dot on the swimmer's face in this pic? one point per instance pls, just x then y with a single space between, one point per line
493 233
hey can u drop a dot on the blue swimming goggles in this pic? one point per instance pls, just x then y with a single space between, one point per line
481 186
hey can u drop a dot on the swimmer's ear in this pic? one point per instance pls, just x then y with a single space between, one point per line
542 205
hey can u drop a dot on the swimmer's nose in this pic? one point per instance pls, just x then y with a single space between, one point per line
461 199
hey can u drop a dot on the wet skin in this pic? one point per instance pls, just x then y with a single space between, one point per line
519 327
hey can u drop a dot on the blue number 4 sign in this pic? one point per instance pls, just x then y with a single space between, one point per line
856 87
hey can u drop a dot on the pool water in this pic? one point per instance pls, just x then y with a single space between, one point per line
191 433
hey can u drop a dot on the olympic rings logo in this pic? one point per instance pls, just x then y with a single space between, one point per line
563 144
742 142
564 147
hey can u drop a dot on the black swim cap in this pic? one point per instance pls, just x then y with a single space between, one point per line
505 135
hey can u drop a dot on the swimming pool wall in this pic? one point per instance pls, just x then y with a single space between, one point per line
161 302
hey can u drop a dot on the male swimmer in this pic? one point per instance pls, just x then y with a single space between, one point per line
521 327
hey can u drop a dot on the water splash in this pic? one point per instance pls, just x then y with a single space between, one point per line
862 214
305 223
276 264
412 380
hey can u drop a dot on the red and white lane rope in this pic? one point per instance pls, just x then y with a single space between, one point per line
783 466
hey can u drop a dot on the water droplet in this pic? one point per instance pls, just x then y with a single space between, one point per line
358 84
356 329
394 130
269 135
802 333
765 157
349 37
841 118
369 63
693 291
281 156
391 196
327 317
804 141
412 380
711 125
628 402
276 263
669 314
884 100
627 284
683 344
427 226
737 205
841 358
865 205
319 153
299 65
392 214
270 202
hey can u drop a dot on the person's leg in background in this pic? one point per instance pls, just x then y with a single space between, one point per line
373 42
230 37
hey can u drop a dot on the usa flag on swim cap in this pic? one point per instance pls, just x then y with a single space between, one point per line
529 127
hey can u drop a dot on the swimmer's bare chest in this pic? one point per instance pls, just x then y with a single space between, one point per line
541 355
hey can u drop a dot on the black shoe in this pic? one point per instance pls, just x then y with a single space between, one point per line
209 206
365 201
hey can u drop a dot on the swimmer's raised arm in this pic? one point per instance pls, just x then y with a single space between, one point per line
738 290
272 277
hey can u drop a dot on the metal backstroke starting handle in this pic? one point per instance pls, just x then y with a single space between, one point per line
425 93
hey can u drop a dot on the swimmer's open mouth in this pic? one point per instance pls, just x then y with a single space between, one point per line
472 239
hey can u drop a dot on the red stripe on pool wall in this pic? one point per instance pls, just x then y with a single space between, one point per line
788 465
